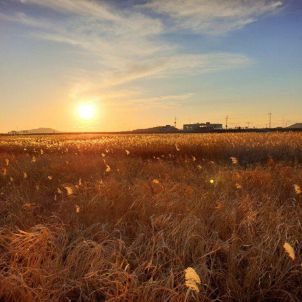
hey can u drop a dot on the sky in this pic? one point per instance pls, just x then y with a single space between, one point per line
142 63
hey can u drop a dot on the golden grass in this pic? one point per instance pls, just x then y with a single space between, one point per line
207 217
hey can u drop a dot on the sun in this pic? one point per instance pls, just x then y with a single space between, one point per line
86 111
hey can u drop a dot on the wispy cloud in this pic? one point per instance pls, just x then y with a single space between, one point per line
162 101
77 7
128 44
136 99
213 16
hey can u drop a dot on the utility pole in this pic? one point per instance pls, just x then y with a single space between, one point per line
270 120
226 122
175 121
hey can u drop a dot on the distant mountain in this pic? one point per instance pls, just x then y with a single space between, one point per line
159 129
35 131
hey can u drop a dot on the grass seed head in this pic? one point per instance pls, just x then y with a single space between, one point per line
192 279
234 160
297 189
108 169
289 250
4 171
238 186
69 190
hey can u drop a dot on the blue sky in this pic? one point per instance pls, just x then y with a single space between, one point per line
143 62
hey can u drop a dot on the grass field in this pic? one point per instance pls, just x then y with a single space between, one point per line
120 218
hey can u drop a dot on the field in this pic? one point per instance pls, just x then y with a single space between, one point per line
121 217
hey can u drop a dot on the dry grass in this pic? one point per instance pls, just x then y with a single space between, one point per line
122 218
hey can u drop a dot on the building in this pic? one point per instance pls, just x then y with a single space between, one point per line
296 126
200 127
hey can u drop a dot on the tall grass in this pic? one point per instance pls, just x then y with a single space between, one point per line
224 208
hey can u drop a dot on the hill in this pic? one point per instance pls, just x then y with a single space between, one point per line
158 129
35 131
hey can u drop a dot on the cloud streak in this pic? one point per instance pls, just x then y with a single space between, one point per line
213 17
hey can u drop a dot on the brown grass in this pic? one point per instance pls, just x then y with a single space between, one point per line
75 230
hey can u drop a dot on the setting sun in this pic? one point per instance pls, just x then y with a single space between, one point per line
86 111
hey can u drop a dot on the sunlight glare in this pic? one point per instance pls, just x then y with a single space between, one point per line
86 111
